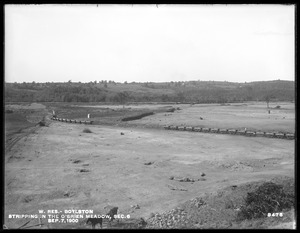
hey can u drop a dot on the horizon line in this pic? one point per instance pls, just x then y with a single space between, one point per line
125 82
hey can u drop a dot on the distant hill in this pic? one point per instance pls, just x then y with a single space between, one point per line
184 92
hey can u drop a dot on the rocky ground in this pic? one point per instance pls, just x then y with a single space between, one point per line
219 211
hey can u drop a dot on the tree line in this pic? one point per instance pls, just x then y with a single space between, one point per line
112 92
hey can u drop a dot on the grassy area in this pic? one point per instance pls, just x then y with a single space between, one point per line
15 122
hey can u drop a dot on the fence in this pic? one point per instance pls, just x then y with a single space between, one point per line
72 121
290 136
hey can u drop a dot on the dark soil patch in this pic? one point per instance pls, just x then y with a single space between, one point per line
171 110
137 117
77 161
69 194
84 170
148 163
42 123
28 199
87 131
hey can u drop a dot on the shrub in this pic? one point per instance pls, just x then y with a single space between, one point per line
268 198
86 130
277 106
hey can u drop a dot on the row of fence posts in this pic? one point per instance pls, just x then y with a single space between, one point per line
71 121
232 132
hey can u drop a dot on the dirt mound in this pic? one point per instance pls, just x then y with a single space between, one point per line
86 130
221 209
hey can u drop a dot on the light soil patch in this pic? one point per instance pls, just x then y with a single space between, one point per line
41 172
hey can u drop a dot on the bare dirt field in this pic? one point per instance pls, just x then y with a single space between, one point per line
250 115
253 116
143 169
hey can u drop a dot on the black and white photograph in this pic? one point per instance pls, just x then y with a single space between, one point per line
149 116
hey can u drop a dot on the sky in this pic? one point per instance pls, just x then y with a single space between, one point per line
149 43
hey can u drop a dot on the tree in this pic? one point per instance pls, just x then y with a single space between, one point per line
121 97
180 97
267 99
164 98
